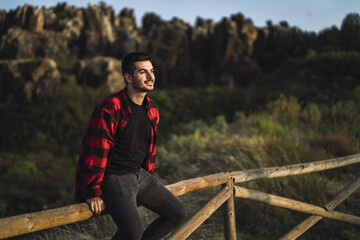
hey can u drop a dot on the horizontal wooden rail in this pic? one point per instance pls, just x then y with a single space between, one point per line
282 202
312 220
195 221
31 222
296 169
183 187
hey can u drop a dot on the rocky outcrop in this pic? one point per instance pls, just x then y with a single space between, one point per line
100 72
24 80
128 38
126 20
201 49
99 33
18 43
73 28
275 44
169 44
36 21
232 51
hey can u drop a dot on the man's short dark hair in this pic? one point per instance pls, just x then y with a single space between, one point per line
128 61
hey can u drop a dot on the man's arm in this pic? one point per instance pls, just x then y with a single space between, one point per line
97 143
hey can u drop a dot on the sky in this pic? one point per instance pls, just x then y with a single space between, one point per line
308 15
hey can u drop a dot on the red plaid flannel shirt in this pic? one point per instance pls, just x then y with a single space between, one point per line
107 121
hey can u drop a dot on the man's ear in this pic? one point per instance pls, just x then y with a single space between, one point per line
127 78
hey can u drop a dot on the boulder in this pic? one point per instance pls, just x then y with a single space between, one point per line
169 45
226 41
99 33
19 17
232 49
24 17
73 28
18 43
25 79
150 21
126 20
36 22
100 72
204 29
246 31
56 18
234 38
127 34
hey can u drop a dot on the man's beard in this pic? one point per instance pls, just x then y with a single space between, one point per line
138 86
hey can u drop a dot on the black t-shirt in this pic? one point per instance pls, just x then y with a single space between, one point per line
133 141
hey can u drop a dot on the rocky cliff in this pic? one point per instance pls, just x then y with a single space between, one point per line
232 51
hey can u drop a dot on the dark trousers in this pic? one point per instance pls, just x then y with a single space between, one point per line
123 193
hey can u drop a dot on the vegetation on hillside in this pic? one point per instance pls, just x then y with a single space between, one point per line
203 131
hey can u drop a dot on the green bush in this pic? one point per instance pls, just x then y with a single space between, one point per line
312 113
285 108
268 127
346 111
24 170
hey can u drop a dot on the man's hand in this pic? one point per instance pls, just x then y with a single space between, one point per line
96 205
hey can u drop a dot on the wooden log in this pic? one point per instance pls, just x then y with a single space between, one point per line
195 221
31 222
312 220
26 223
296 169
183 187
229 213
291 204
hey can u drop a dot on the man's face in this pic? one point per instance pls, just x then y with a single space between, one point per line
143 78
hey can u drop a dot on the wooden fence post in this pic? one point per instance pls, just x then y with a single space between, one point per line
195 221
229 213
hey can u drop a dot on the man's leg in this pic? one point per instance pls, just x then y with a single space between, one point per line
119 195
156 197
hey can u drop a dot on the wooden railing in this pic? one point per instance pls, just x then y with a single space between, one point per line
26 223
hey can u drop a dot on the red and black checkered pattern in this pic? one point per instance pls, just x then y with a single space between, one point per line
106 123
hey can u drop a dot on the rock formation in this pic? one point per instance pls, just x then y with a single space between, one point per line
26 79
232 51
274 44
100 71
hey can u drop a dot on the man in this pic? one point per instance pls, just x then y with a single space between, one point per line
118 157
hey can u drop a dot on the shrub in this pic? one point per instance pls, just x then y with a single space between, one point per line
285 108
268 127
312 113
345 110
22 171
334 145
